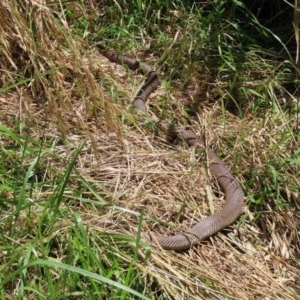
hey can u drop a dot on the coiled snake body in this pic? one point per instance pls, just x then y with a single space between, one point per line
234 195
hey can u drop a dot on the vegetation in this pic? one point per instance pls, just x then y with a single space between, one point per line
81 173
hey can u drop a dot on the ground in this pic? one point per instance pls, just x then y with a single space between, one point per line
83 172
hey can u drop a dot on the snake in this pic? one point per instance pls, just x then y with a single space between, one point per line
233 192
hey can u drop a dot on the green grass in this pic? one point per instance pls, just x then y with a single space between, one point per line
81 173
43 234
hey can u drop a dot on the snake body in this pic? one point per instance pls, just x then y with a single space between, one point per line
234 195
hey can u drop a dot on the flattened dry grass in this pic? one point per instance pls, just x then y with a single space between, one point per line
60 96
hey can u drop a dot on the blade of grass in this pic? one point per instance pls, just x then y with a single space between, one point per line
69 268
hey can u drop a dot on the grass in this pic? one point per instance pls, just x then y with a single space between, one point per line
82 173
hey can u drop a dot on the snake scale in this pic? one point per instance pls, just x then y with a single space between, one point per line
234 195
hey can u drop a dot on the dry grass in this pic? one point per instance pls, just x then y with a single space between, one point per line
72 95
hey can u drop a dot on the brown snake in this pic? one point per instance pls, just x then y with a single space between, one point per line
234 195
